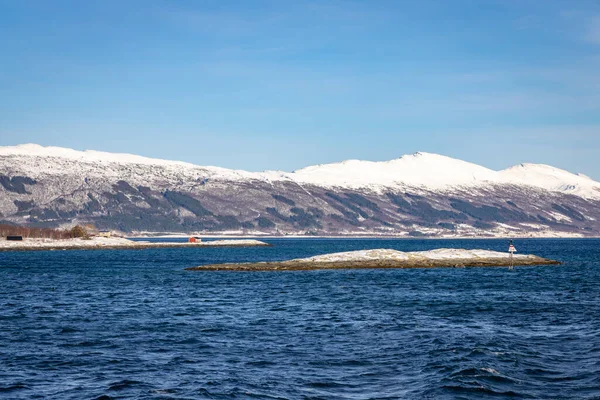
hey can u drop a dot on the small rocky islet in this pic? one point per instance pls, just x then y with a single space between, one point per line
388 258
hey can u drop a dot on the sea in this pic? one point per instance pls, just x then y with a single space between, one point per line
133 324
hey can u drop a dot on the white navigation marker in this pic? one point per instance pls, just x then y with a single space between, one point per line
511 250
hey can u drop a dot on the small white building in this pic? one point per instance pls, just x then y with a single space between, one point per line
105 234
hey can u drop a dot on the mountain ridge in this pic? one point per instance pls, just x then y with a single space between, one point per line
418 194
359 173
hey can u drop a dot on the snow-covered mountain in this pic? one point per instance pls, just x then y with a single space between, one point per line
418 194
435 172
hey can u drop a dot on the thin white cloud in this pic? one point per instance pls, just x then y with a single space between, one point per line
593 30
527 22
220 23
584 25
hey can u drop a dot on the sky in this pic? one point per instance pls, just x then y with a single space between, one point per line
281 85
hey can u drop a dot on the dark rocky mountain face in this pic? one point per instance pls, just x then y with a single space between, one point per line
53 192
286 207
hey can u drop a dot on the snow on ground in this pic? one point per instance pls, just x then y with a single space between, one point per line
154 235
360 255
95 241
553 234
117 242
437 172
38 161
389 254
550 178
419 169
238 242
449 254
560 217
506 227
534 226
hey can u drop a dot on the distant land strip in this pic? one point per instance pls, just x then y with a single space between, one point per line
123 244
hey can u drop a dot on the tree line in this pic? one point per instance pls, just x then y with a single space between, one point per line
43 233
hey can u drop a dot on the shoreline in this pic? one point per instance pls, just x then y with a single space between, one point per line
367 236
307 266
117 244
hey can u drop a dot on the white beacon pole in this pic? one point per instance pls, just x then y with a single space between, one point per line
511 251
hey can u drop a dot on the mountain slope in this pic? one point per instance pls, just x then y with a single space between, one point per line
413 195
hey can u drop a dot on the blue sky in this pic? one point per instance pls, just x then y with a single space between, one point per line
284 84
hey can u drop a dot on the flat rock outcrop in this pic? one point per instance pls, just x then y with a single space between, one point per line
388 258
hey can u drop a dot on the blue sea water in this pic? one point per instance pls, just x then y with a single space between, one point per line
132 324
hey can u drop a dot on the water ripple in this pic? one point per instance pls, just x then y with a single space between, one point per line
132 325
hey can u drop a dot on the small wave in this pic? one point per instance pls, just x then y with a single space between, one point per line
484 374
484 390
340 363
261 363
89 343
13 387
212 329
491 371
260 321
278 309
68 330
475 372
124 384
11 317
165 391
326 385
188 341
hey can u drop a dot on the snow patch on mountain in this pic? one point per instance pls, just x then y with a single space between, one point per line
87 156
550 178
436 172
35 161
432 171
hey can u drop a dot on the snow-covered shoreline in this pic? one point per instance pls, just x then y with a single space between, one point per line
389 258
115 243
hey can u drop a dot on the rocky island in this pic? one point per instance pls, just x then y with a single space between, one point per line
96 242
387 258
